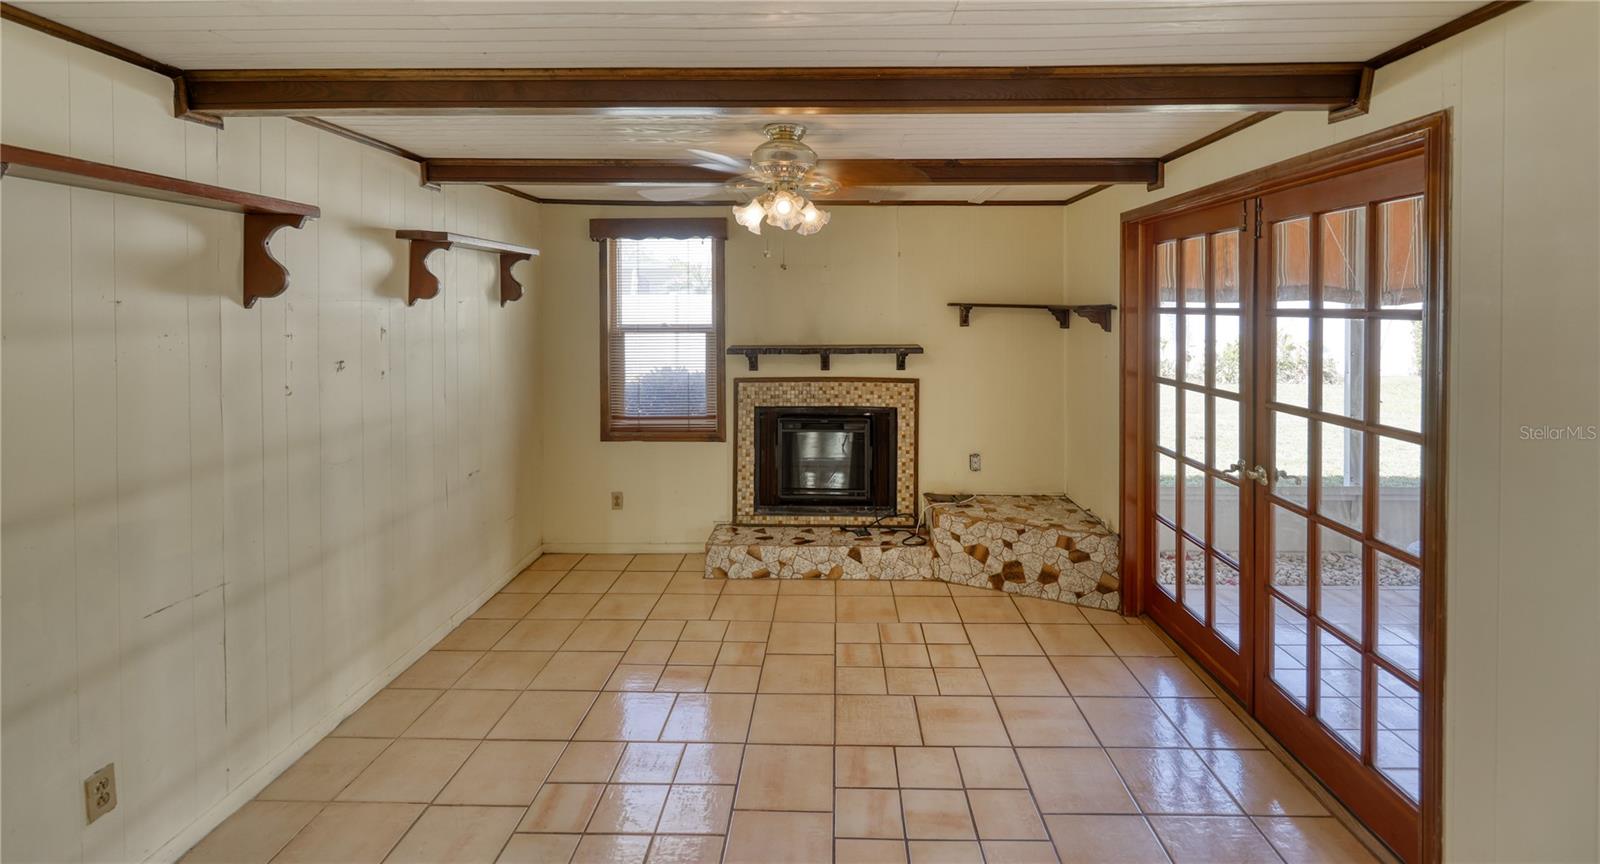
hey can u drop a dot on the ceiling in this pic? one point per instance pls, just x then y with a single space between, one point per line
197 35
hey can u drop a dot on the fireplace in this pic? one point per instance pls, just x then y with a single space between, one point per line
825 461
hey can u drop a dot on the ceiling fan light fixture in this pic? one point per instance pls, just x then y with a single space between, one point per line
750 215
812 218
781 169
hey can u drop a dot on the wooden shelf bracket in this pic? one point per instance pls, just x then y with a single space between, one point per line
424 284
1094 313
264 275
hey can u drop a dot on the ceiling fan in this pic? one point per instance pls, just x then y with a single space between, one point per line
777 182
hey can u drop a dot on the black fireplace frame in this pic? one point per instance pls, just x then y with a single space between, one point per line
883 466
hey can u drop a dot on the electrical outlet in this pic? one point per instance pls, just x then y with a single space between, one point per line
100 792
616 500
974 461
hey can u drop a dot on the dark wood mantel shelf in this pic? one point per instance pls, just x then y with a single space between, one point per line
425 286
264 276
1095 313
752 352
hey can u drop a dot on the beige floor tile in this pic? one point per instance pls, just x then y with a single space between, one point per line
1133 640
623 606
911 682
562 808
504 670
922 588
1104 616
869 851
506 606
641 582
801 608
648 763
779 838
704 631
876 720
697 809
1195 839
695 653
1208 724
685 607
1006 814
612 849
586 582
944 634
1167 677
866 609
764 587
657 561
351 834
970 721
734 679
747 631
603 562
800 637
952 656
1074 780
1313 840
864 767
797 673
863 588
462 714
629 809
630 677
694 561
461 835
1261 784
577 670
1104 839
859 680
925 609
1018 852
661 631
807 587
1037 611
539 849
649 652
546 716
783 718
742 654
564 606
962 682
436 670
534 582
901 634
1002 639
386 714
945 852
1071 640
545 635
254 833
684 679
411 771
1044 721
936 814
694 582
1172 781
507 773
626 717
867 814
587 762
927 767
744 607
1021 676
679 849
990 768
710 717
957 589
786 777
710 764
474 635
860 654
905 655
1130 723
1097 676
556 561
324 770
987 610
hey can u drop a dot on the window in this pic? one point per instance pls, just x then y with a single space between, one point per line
661 319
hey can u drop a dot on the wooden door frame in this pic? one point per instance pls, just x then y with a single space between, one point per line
1428 136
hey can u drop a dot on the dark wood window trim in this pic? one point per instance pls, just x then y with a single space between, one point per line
604 232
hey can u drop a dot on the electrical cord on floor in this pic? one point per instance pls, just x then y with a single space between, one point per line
913 538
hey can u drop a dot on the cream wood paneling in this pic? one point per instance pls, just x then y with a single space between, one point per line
222 525
858 194
197 35
668 135
875 274
1522 702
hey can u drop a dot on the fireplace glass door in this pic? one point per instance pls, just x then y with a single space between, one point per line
824 458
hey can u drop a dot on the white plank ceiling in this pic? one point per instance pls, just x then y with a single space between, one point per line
605 33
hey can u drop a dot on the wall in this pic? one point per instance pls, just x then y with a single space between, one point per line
224 527
1522 711
875 274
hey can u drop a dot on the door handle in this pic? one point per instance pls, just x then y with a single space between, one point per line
1258 473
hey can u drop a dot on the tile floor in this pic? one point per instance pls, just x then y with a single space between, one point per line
624 709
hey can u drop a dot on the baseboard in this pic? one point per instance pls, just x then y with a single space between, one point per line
184 840
626 548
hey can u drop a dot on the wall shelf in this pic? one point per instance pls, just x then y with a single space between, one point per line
424 285
264 276
1095 313
751 353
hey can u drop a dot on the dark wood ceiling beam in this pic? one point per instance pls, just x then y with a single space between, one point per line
331 92
853 172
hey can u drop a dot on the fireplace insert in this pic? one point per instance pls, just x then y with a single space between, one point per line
825 461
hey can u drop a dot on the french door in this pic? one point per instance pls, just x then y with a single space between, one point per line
1288 482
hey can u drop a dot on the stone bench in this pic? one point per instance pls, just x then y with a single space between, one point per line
1036 545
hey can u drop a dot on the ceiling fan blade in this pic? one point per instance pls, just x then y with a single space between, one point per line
720 162
679 193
